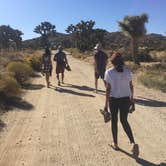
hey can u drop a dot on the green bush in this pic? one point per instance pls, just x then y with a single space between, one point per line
9 87
144 57
34 62
22 71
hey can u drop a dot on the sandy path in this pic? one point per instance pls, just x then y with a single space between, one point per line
66 128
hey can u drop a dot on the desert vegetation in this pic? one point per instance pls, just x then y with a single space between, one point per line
154 76
46 30
9 88
132 41
16 69
134 27
10 38
85 35
20 70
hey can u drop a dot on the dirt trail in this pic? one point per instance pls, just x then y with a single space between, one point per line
65 126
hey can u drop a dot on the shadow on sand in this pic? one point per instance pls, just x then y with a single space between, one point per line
83 87
33 86
36 75
149 102
19 103
2 125
69 91
13 103
140 161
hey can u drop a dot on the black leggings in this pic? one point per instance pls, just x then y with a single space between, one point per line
121 104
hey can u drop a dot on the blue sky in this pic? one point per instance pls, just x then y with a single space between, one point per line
26 14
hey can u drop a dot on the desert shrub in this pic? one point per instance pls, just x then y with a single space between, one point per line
3 60
30 51
158 55
154 79
144 57
132 66
75 52
22 71
9 88
34 62
158 67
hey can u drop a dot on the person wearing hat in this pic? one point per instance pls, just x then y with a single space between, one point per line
100 62
61 62
47 65
119 95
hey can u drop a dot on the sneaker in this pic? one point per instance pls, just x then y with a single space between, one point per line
59 84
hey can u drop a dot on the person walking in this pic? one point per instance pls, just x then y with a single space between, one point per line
119 95
61 62
100 62
47 65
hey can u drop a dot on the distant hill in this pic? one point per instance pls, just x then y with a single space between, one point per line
59 38
113 40
154 41
151 41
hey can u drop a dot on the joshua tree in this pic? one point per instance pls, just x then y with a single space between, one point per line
99 36
134 27
17 38
85 35
9 35
82 32
45 29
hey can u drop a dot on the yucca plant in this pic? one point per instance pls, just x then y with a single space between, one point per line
134 27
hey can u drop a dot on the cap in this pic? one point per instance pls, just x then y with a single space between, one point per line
60 47
98 46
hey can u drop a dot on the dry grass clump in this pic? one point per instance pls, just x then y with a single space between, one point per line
9 88
154 77
34 62
21 71
158 55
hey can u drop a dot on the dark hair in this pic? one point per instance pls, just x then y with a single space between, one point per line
117 61
47 51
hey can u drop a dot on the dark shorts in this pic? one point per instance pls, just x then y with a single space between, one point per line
99 74
60 69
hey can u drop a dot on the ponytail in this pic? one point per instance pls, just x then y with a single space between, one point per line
119 68
117 61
